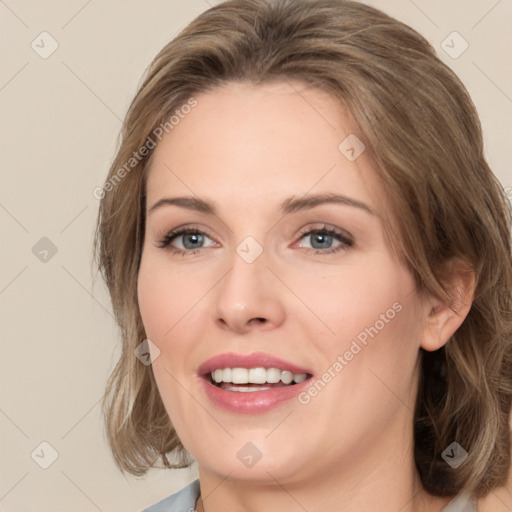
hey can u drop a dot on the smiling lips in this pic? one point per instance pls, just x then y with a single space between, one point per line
252 383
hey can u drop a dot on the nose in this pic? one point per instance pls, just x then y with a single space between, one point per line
249 297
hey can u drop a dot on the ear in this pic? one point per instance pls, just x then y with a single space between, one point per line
444 316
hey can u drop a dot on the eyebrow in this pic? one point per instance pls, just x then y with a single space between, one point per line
290 205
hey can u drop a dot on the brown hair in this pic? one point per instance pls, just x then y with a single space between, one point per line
424 135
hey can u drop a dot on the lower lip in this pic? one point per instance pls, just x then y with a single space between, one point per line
251 402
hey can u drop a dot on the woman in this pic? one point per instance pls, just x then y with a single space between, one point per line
309 259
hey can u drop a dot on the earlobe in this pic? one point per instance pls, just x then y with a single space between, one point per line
444 317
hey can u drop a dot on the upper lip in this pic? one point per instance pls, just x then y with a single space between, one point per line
254 360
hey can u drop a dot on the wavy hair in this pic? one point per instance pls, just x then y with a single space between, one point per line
424 136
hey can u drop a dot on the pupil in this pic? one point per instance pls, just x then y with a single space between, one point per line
322 238
195 238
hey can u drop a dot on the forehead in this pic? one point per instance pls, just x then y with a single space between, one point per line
257 141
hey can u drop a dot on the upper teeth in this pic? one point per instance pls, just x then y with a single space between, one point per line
256 375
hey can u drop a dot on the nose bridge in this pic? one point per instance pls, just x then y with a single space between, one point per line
247 295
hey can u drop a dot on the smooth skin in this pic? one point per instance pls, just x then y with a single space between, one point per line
246 149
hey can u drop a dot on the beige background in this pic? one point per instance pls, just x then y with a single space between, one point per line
60 119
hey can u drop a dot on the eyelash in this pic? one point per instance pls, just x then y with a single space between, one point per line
346 242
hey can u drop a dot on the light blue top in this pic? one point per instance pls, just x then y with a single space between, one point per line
182 501
185 501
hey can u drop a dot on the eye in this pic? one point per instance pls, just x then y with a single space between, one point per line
190 239
322 239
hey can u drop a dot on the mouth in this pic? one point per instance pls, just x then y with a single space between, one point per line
247 380
251 383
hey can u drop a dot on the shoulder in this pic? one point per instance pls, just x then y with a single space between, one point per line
182 501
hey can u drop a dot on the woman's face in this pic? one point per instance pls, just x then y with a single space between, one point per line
277 272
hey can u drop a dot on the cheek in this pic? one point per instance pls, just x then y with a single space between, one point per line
376 320
164 301
382 342
369 363
368 298
165 296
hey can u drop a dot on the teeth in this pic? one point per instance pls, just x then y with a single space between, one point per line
299 377
246 388
226 375
286 377
273 375
256 376
239 376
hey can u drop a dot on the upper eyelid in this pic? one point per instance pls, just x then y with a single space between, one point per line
185 227
326 227
181 231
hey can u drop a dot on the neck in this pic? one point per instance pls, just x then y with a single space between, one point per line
391 484
419 502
